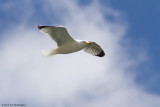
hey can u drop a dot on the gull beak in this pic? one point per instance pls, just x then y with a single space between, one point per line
89 43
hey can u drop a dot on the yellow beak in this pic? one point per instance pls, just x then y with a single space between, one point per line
89 43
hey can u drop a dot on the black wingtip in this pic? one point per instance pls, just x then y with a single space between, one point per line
101 54
41 26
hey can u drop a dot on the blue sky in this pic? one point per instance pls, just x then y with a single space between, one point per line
127 30
143 18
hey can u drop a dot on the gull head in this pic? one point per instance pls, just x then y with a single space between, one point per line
86 42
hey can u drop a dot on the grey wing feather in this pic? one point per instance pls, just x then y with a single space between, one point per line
95 50
57 33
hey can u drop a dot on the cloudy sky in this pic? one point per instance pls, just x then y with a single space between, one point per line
128 76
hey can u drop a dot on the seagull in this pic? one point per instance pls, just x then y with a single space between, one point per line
66 44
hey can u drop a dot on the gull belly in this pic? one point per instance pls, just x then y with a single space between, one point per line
69 48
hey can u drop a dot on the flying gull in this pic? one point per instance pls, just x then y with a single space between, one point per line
66 44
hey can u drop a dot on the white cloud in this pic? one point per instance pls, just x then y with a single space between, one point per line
78 79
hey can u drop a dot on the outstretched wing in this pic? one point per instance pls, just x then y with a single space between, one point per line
94 49
57 33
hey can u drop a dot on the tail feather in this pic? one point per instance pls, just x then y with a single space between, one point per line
49 52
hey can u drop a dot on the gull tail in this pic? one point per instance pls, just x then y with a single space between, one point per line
49 52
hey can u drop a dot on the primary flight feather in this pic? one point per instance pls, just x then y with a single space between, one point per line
66 44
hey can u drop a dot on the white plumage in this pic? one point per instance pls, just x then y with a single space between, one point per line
66 44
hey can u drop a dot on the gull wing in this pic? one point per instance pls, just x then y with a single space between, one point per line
57 33
94 49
